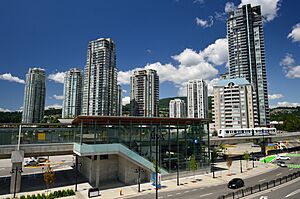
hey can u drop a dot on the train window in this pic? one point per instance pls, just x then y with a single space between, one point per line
227 132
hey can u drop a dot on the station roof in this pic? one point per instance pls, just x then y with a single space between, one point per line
136 120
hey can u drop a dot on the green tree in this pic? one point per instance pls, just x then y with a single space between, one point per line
49 177
154 166
193 164
246 157
228 163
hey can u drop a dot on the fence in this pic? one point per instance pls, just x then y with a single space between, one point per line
260 187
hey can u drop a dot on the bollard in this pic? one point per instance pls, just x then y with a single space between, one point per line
121 192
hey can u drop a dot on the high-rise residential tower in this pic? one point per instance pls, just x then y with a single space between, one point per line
34 96
72 93
177 108
100 79
144 98
247 54
233 104
197 99
119 101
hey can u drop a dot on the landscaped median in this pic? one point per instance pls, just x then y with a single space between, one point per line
268 159
52 195
294 166
293 155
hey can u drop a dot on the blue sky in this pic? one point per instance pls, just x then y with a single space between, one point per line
182 39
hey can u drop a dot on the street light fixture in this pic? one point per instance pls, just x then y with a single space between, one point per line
16 171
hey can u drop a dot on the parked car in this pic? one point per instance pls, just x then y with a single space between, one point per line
41 159
235 183
31 163
281 164
282 157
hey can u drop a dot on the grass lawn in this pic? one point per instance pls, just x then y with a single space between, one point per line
295 166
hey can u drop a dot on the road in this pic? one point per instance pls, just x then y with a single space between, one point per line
213 192
33 179
288 190
57 163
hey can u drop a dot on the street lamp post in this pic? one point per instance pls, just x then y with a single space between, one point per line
76 171
252 159
138 171
177 158
241 165
16 170
264 145
156 166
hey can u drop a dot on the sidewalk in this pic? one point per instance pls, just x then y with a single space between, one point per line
205 180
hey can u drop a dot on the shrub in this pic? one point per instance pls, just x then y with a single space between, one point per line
23 197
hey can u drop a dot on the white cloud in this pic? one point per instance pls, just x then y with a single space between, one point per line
292 72
288 60
9 77
4 110
217 53
205 23
53 106
275 96
57 77
191 65
269 8
229 6
58 97
125 100
287 104
295 34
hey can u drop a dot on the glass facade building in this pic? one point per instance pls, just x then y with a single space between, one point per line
72 93
34 96
100 79
247 54
177 139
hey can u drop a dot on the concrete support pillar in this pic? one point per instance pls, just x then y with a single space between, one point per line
17 158
97 171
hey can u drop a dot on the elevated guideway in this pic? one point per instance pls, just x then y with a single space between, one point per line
255 139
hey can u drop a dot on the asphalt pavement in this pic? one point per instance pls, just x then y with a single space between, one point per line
289 190
213 192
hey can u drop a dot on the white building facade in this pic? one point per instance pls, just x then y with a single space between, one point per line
144 96
197 99
233 104
177 108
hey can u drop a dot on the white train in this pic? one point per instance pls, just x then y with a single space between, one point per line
246 132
